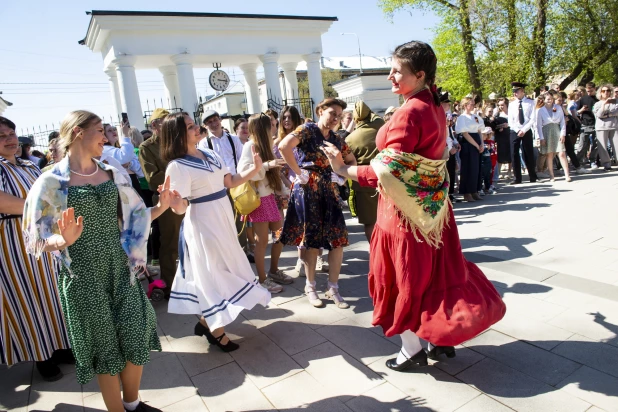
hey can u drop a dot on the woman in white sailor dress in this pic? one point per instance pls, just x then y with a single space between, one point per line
214 278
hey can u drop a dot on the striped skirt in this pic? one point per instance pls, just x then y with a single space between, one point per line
31 322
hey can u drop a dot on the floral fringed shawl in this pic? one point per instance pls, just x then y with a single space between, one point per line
47 199
418 189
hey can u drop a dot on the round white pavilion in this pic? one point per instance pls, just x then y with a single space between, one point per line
176 43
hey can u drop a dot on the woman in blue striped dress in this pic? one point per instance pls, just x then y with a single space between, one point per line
31 323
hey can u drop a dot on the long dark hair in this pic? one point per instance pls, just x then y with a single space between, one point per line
259 133
419 56
296 120
173 136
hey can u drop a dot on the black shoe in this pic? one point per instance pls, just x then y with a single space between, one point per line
63 356
49 371
419 359
201 330
228 347
143 407
436 351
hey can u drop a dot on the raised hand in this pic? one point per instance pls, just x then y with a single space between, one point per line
165 194
257 160
333 154
70 228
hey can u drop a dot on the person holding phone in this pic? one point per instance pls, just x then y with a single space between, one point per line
588 136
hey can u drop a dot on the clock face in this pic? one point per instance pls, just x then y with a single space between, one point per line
219 80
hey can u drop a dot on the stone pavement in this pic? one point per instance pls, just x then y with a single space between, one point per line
550 249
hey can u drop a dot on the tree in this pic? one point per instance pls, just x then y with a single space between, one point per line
462 12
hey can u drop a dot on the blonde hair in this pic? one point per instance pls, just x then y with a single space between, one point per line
79 118
463 102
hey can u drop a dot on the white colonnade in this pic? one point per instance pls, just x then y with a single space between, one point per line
180 89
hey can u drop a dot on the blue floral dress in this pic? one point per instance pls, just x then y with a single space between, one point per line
315 217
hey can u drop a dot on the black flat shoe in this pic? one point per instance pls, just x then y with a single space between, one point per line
63 356
201 330
419 359
436 351
143 407
48 370
228 347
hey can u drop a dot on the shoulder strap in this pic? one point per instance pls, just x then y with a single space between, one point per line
209 142
229 138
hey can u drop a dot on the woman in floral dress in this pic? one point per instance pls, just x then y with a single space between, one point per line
315 217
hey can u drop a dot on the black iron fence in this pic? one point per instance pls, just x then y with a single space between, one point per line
304 104
171 106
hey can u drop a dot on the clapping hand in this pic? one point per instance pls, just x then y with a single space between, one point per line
276 163
168 197
70 228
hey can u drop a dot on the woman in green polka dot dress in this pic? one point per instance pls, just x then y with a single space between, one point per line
111 323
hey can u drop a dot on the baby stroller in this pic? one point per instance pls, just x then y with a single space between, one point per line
156 287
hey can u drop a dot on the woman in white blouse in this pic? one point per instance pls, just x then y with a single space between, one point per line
551 130
469 125
123 151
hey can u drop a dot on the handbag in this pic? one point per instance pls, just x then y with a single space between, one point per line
245 198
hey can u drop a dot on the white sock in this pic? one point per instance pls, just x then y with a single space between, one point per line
333 285
131 406
310 283
411 345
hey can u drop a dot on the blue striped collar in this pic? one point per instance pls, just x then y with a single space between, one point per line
211 160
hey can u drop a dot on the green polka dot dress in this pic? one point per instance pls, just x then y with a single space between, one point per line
110 322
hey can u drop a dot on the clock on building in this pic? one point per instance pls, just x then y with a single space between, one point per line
219 80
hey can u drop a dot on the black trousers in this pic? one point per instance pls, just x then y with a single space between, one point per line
451 168
525 143
470 176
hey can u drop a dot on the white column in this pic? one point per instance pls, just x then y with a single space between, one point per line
271 75
170 79
115 91
291 81
251 87
129 92
314 75
186 82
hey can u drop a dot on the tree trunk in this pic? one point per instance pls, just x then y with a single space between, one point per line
595 58
540 44
587 77
511 21
466 35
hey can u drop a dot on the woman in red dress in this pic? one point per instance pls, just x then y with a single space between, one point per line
420 282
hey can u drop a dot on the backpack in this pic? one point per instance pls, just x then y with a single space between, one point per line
573 126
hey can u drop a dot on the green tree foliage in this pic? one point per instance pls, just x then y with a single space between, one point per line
534 41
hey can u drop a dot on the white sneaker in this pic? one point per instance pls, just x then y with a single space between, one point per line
583 171
321 265
594 166
300 268
482 193
271 286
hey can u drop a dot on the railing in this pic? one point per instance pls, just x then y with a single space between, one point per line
304 104
165 105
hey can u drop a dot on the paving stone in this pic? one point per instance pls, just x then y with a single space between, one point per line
464 359
591 320
313 317
15 385
537 333
302 392
193 404
351 378
64 394
227 388
241 329
165 382
292 337
428 386
484 403
594 387
385 397
532 308
260 316
197 355
531 360
597 355
264 362
518 391
94 403
357 341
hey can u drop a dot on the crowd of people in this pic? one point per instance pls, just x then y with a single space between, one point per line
83 224
533 135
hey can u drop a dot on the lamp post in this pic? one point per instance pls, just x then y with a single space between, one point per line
360 56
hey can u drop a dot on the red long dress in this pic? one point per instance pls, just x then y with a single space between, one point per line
434 292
